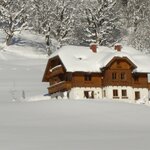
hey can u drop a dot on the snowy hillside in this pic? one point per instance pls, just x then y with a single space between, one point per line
25 43
22 66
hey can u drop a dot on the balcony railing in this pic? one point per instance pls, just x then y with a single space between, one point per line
56 70
60 87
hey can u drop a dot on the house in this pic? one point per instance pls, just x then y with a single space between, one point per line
93 72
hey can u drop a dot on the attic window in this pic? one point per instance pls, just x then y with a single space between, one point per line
123 76
114 76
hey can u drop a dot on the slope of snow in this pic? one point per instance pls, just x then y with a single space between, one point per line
77 58
18 74
21 67
74 125
25 43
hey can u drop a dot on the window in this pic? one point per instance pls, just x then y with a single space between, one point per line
123 76
87 77
114 75
89 94
104 93
115 93
124 93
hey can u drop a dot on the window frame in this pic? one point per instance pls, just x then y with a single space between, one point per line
88 95
104 93
115 93
123 76
124 94
114 76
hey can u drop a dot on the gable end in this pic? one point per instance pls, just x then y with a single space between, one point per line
53 64
121 62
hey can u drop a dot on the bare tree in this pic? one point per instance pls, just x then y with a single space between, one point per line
13 17
99 22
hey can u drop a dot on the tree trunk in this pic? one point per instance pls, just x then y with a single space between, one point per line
9 39
48 45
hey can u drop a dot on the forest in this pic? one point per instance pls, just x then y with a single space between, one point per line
79 22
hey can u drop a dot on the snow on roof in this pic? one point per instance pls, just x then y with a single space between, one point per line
79 58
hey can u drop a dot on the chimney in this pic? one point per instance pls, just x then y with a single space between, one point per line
93 47
118 47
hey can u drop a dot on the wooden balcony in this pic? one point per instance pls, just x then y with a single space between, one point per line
59 87
56 70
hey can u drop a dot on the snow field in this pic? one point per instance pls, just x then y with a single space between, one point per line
21 75
75 125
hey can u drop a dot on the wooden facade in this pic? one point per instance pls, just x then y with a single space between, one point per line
82 79
118 72
54 68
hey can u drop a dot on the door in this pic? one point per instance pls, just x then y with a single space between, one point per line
137 95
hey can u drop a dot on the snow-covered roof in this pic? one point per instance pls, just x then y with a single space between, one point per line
78 58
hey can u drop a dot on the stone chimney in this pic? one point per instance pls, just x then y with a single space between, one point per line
93 47
118 47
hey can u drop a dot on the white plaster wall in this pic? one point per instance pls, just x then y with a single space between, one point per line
144 93
109 92
130 92
75 93
78 93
